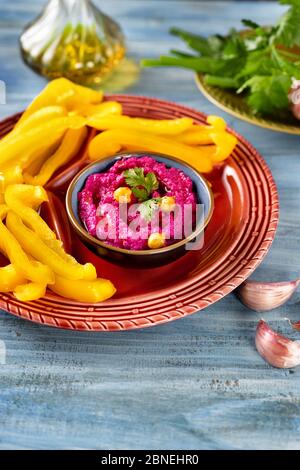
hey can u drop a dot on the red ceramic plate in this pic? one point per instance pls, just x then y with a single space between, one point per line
236 240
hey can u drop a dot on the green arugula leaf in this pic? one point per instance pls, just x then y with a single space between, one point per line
142 186
147 208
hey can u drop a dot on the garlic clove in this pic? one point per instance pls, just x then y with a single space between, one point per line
276 349
295 325
263 296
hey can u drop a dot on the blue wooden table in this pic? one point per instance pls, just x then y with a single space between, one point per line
194 383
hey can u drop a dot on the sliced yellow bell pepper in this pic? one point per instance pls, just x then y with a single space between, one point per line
108 142
37 138
154 126
11 175
92 111
69 147
225 144
62 92
216 122
23 199
82 290
10 278
197 135
30 291
200 134
38 249
40 117
30 269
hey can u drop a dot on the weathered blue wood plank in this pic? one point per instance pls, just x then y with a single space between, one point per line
194 383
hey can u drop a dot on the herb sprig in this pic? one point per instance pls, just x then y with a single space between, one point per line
260 63
147 208
142 186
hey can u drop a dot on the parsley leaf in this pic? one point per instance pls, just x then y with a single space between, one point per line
140 193
147 208
250 24
268 93
142 186
288 32
151 182
134 176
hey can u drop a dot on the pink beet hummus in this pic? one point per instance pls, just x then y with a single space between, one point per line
97 199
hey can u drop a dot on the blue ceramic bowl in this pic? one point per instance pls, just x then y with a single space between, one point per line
143 258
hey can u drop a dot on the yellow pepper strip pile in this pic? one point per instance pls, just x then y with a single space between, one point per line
48 135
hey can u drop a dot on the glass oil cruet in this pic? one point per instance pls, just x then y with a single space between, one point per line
73 39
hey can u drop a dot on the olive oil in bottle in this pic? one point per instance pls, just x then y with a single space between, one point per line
73 39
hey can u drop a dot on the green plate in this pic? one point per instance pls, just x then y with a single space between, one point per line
236 105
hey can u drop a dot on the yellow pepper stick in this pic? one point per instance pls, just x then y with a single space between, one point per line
38 249
69 147
30 269
34 157
29 291
39 137
100 110
41 116
103 143
10 278
33 161
224 145
201 134
216 122
36 119
61 92
84 291
24 199
10 175
154 126
197 135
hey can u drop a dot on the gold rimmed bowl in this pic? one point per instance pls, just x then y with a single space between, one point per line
143 258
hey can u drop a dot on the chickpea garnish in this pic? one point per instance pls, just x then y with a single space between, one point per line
167 203
123 194
156 240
